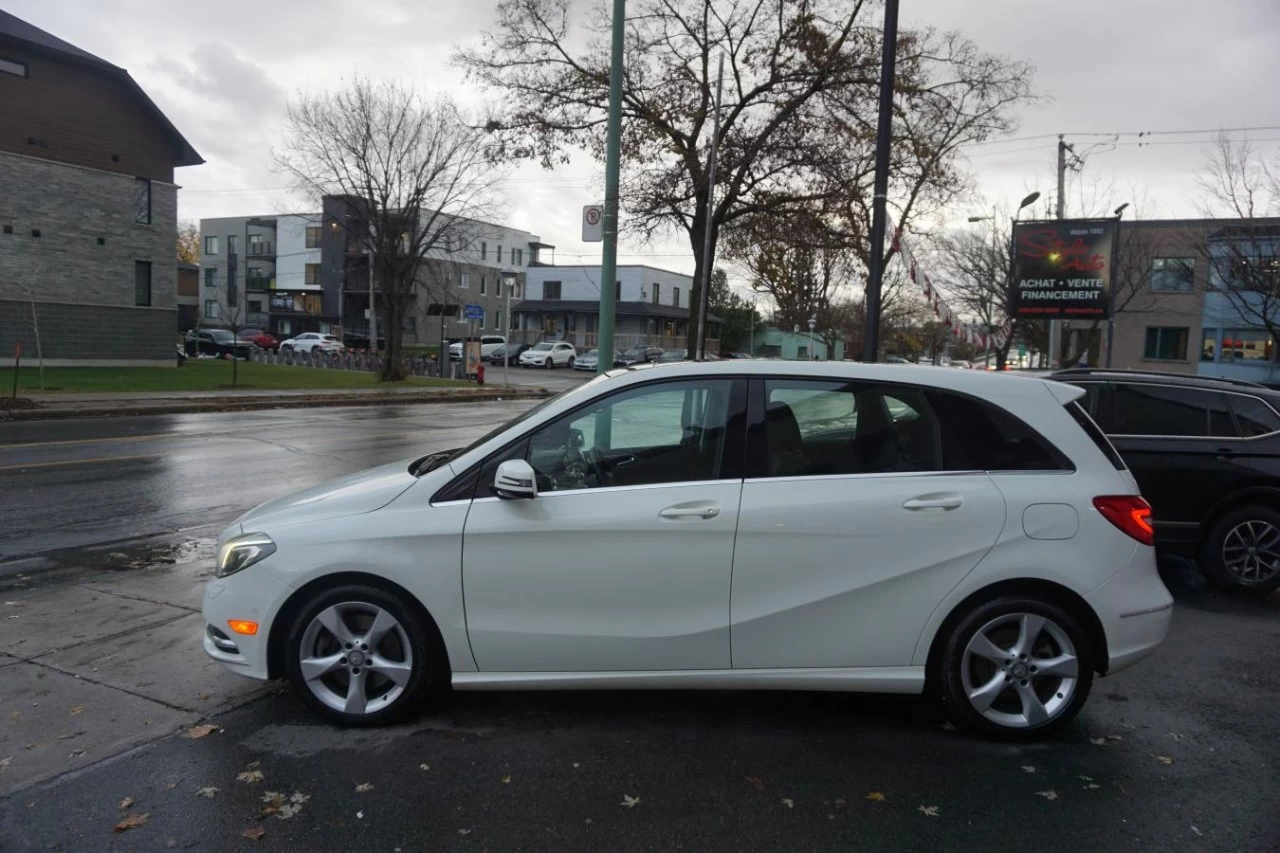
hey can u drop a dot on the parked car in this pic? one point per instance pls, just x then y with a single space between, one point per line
639 354
488 343
895 359
308 341
736 355
591 360
671 355
509 352
549 354
260 338
1206 453
1005 559
221 343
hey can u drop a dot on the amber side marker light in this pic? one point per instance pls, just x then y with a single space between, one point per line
243 626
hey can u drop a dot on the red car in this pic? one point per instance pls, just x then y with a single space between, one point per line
260 338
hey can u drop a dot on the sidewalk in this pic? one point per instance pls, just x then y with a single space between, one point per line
50 406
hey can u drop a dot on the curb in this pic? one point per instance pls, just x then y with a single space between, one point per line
234 405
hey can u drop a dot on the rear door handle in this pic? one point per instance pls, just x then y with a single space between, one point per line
943 501
690 512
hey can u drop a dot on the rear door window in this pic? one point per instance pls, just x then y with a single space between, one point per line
1253 416
1163 410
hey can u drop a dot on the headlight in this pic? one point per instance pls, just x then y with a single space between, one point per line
242 552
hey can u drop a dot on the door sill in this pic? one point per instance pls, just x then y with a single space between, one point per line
862 679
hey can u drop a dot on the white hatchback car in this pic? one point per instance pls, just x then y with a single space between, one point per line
738 524
308 341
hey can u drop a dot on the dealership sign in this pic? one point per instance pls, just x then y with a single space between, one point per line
1063 268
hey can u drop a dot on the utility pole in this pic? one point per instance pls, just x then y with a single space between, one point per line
373 313
699 350
871 337
609 255
1060 210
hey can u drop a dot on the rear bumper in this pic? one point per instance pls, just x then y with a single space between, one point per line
1135 609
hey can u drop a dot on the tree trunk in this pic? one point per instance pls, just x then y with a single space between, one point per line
393 366
696 236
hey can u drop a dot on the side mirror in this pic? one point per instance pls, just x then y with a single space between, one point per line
514 480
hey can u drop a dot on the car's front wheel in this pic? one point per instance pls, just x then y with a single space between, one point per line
1016 668
570 362
360 657
1242 551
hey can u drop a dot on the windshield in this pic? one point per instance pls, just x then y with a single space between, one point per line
592 353
221 336
636 351
544 346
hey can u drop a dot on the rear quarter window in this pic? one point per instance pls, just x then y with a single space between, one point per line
1080 416
977 435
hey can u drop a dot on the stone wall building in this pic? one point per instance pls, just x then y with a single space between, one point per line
88 209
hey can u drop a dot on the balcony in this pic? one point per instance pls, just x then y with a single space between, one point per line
261 249
260 283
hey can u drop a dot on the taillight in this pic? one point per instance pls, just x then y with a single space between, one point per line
1130 513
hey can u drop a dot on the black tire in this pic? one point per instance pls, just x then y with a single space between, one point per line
570 364
430 669
949 678
549 363
1212 559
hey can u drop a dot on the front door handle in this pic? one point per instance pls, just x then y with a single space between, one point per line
690 512
942 501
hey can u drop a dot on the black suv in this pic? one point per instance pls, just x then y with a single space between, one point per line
1206 454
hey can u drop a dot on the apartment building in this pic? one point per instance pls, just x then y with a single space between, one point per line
88 206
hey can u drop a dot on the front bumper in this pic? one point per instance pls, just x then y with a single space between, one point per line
254 594
1135 609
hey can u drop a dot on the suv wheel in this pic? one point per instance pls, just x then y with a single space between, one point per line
360 657
1016 668
1242 551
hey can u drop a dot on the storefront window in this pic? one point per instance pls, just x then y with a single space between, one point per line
1246 345
1209 349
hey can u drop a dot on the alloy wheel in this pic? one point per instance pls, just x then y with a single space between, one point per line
1251 552
1019 670
355 657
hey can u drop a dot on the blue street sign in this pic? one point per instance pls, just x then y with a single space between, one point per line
473 312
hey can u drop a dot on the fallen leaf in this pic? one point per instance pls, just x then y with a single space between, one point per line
576 765
1098 741
76 711
76 753
250 776
464 832
15 716
1114 737
5 762
171 786
839 802
254 833
360 815
288 810
1085 778
1048 795
299 797
875 797
788 802
205 730
131 822
203 695
1196 831
274 800
629 801
364 786
125 803
424 766
1164 759
1092 786
1176 737
756 782
506 780
948 727
1027 768
927 811
208 791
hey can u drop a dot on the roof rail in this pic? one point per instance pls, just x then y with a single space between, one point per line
1116 371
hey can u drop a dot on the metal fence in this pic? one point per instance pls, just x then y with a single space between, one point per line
414 365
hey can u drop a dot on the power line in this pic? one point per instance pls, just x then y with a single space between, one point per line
1123 133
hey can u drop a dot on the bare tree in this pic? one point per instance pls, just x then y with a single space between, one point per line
413 174
1243 257
799 106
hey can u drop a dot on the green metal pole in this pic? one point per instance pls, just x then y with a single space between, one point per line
609 256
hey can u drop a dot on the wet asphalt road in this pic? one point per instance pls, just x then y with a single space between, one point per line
1178 753
75 492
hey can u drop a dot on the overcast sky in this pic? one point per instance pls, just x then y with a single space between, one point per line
224 71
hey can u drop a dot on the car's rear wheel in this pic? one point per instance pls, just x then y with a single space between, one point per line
1016 668
359 656
1242 552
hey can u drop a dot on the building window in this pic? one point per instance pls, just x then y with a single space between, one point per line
497 320
657 293
1173 275
11 66
211 245
142 202
1167 343
284 327
142 282
484 250
483 320
1208 344
551 290
518 290
1247 345
313 236
312 273
255 306
483 285
464 281
499 254
675 296
233 244
211 309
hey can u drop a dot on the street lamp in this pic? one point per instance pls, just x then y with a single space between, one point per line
508 284
1027 201
1111 321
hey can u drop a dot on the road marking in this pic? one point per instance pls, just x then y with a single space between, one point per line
79 462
